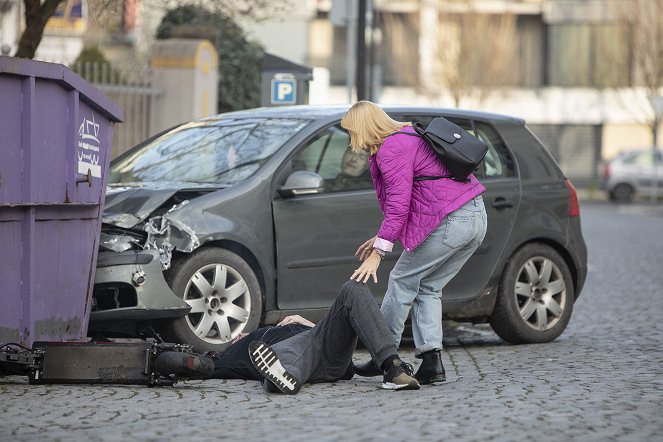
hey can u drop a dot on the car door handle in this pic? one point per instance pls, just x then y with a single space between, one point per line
501 203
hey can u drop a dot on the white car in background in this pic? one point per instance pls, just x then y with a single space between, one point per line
633 172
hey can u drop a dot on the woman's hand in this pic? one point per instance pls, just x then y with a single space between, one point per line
365 249
368 268
295 319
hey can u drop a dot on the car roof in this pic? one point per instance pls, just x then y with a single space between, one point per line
338 110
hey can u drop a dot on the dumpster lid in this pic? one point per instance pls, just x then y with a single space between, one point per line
32 68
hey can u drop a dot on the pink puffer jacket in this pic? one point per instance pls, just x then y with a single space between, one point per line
413 209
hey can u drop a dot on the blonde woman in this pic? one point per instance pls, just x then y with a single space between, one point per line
440 223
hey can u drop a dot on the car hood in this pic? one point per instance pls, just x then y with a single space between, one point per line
128 205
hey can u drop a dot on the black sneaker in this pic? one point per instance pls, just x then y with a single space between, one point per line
399 377
183 365
349 373
265 360
368 369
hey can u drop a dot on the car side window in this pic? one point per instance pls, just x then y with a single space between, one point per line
644 159
425 120
329 155
498 161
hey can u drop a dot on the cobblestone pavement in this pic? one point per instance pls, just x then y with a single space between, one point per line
601 380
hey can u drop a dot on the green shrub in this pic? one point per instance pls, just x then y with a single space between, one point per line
240 60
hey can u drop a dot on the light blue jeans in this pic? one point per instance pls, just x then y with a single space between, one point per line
417 280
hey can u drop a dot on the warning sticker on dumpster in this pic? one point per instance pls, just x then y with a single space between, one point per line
88 148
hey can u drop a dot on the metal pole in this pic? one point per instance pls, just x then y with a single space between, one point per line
350 23
654 193
361 51
371 50
656 101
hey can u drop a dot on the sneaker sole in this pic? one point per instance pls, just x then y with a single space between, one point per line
392 386
265 360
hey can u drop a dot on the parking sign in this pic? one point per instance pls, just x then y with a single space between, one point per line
284 91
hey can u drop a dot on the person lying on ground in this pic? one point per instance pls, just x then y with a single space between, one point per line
297 351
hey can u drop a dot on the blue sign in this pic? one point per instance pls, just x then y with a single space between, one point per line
284 91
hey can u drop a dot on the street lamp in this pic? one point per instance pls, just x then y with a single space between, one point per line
657 104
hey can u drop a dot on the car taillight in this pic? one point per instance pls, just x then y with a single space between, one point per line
574 205
606 170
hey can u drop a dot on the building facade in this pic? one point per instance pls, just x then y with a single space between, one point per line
568 67
573 69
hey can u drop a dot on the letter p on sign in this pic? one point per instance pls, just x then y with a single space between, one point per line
283 91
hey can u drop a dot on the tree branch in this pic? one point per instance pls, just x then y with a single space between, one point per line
36 16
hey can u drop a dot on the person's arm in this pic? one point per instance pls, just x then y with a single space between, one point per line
396 163
295 319
365 249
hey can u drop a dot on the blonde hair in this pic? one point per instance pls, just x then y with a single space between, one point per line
368 126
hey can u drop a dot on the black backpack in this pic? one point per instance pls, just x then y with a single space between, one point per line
459 151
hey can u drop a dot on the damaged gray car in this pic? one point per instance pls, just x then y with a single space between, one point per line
228 222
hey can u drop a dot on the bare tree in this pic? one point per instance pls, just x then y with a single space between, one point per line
476 51
38 12
36 15
643 22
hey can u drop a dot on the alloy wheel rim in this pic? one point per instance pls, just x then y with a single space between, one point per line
220 303
622 192
540 293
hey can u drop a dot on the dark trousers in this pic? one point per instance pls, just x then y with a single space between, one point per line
324 353
234 361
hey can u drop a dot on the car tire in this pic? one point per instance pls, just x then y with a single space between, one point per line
622 193
224 294
535 297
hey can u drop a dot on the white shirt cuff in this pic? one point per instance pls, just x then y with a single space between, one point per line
383 245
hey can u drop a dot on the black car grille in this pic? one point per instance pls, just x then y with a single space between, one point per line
113 296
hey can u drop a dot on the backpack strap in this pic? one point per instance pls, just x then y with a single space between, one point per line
407 133
429 178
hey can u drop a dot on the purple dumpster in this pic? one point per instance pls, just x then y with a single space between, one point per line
56 133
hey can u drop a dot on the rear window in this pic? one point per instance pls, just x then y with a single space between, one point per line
534 160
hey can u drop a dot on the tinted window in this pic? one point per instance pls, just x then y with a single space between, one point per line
629 157
425 120
644 159
223 151
329 155
498 161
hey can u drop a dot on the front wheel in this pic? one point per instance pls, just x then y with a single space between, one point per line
224 295
535 297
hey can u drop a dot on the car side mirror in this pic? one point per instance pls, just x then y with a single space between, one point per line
302 182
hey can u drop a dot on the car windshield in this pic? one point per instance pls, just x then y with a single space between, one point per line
222 151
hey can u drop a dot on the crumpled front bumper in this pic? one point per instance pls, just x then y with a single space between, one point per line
130 286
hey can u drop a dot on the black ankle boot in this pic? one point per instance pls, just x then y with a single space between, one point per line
431 369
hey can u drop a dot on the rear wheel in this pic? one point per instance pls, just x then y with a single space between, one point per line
535 297
622 193
224 295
